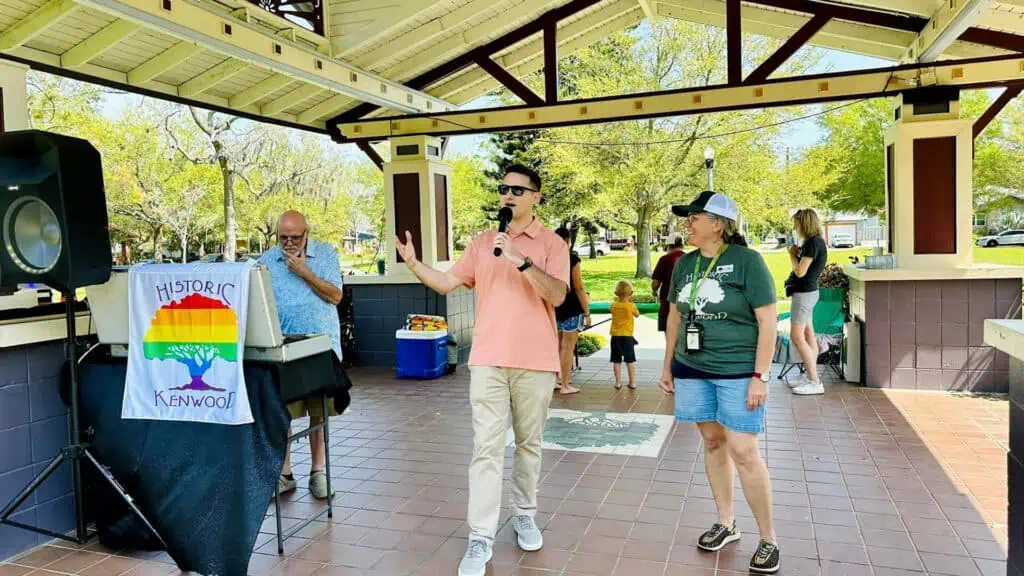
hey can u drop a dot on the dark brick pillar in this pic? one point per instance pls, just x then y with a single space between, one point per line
1015 471
930 334
33 429
381 309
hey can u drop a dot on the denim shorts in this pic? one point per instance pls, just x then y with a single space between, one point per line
574 324
722 401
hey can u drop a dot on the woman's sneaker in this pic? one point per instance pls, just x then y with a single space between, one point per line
766 559
718 536
809 388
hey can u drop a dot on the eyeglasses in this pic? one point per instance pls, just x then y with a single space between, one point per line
695 215
516 191
293 239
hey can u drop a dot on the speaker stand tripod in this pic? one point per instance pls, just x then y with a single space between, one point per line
76 452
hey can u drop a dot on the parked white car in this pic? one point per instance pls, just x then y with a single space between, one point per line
601 247
1005 238
841 240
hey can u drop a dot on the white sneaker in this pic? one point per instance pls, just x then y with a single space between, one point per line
809 388
529 536
474 563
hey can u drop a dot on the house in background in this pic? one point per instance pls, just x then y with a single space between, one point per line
353 241
865 230
997 209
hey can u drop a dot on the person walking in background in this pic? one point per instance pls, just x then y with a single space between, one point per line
808 260
514 358
721 334
623 312
573 316
662 278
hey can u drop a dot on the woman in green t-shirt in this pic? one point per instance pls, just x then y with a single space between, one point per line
721 335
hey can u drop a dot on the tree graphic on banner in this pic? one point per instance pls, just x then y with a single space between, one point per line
195 331
198 358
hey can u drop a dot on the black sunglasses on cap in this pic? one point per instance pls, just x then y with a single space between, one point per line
516 191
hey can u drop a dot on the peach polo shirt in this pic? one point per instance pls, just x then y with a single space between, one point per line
515 327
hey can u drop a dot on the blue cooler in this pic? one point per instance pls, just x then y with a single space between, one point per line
421 354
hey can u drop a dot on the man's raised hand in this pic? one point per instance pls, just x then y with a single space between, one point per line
406 250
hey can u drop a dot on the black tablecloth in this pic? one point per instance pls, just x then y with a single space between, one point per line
204 487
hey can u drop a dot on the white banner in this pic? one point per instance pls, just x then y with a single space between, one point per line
186 338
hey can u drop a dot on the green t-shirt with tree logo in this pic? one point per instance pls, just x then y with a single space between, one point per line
739 283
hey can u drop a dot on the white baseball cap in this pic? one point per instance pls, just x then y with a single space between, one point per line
710 202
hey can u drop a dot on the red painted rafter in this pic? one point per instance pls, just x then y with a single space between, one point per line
994 39
795 42
734 41
487 50
509 81
1005 98
371 154
909 23
551 62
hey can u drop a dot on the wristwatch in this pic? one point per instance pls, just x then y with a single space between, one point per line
527 262
762 377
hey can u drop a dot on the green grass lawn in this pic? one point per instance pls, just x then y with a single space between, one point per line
601 274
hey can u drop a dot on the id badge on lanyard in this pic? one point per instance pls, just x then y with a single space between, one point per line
694 330
694 334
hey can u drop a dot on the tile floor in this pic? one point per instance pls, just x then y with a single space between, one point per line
865 482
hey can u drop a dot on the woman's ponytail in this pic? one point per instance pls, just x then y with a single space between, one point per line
731 232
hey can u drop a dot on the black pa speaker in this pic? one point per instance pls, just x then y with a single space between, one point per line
53 211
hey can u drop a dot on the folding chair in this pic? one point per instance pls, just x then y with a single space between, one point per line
828 320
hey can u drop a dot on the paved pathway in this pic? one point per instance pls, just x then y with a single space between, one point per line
865 482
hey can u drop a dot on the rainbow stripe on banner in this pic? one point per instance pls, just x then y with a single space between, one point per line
194 331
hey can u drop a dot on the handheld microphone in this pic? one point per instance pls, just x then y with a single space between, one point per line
504 217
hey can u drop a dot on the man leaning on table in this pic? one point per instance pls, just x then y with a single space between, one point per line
306 277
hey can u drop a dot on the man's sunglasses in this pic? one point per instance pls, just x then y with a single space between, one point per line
516 191
293 239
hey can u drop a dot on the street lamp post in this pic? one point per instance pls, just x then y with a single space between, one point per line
709 163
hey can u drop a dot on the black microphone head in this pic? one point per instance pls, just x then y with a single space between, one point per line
505 214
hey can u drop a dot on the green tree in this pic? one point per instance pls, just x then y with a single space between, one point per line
472 194
631 172
999 156
61 105
853 152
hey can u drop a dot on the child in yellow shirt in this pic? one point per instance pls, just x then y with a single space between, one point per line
623 312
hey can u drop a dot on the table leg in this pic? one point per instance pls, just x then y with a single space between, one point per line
277 515
327 458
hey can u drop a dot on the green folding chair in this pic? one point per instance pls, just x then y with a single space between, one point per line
828 320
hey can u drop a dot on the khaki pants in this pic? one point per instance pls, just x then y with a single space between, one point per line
492 392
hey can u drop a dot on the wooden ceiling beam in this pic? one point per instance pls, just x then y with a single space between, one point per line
95 45
163 62
293 98
261 89
211 77
34 24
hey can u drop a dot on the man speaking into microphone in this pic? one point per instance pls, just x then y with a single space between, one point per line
520 275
